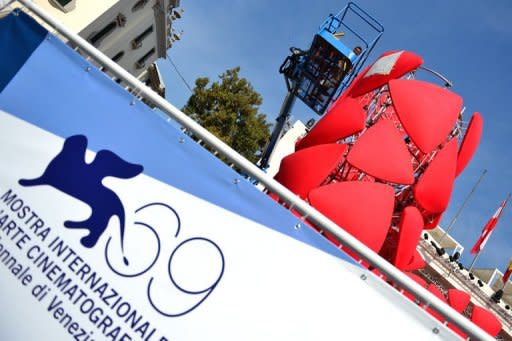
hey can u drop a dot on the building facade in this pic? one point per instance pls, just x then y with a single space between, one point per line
133 33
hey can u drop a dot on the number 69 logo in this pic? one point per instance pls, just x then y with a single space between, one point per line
189 275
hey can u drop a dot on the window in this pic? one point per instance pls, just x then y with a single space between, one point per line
118 56
139 5
137 42
64 5
63 2
97 37
141 63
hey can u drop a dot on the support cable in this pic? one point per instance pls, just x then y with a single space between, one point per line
179 73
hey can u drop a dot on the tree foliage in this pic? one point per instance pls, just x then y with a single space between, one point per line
229 109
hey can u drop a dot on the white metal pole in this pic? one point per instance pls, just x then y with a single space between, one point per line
452 223
391 272
474 260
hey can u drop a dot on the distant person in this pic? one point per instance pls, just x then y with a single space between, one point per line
345 64
343 67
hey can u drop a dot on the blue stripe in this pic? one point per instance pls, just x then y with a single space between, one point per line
55 91
20 35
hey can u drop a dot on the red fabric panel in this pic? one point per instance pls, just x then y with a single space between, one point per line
381 152
387 67
434 187
346 117
306 169
435 290
433 224
411 225
458 299
363 209
470 142
355 83
417 262
486 320
428 112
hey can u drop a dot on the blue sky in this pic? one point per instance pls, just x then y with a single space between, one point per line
468 41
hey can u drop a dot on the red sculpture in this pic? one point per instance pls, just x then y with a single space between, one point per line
387 130
382 162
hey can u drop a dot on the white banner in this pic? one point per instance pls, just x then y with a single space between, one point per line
192 270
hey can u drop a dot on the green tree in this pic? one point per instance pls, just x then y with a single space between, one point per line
229 109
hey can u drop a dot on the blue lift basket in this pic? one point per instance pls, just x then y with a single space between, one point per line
317 76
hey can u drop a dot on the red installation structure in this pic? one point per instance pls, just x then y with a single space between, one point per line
382 162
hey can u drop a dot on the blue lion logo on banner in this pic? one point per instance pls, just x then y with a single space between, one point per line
69 173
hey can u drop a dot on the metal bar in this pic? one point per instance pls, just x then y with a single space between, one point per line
447 83
459 211
361 14
474 261
281 120
391 272
380 28
368 19
355 33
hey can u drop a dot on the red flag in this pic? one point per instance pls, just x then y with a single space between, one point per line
489 227
507 274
